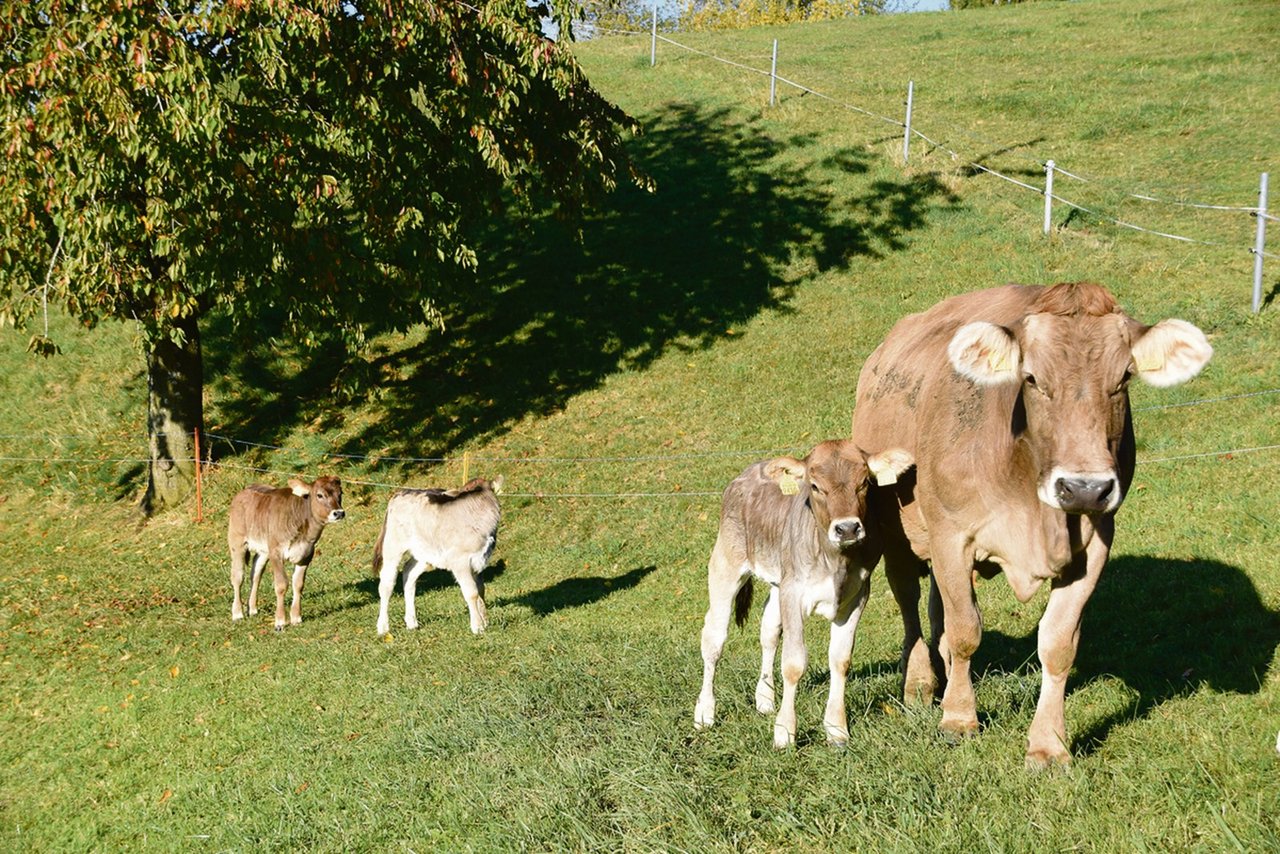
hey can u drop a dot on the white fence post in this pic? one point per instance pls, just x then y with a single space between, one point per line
653 39
906 137
1048 196
773 74
1260 245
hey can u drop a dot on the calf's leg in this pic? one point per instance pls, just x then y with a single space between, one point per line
282 585
299 581
794 660
770 633
472 596
836 720
387 583
259 561
411 575
724 580
237 579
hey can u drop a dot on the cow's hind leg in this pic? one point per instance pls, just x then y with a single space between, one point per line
724 580
299 581
259 561
770 633
411 575
920 681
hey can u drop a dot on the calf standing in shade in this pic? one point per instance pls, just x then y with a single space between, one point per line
453 529
801 526
279 525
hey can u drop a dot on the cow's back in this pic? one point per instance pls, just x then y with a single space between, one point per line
753 518
261 513
443 532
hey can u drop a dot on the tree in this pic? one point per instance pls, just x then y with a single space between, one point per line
735 14
326 159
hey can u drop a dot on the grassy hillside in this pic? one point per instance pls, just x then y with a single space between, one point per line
618 384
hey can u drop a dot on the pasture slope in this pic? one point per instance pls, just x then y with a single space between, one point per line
692 330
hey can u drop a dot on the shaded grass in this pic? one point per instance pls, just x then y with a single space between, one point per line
692 330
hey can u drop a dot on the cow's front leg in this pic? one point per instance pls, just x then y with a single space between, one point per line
299 581
474 599
237 580
794 660
962 632
1057 641
282 586
724 580
386 584
839 653
770 632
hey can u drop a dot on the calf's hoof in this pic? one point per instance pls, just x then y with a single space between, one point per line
704 715
764 700
295 621
237 616
253 612
837 737
411 625
783 738
956 727
919 693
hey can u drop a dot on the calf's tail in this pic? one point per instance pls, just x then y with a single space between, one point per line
742 603
377 549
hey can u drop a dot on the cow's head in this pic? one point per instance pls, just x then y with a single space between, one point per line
834 480
1073 357
324 497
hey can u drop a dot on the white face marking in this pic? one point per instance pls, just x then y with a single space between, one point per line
836 539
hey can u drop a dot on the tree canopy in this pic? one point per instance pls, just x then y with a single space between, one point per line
325 159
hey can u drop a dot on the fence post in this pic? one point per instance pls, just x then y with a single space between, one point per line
773 74
906 137
199 492
1260 245
653 39
466 467
1048 195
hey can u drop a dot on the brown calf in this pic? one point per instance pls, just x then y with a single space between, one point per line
278 525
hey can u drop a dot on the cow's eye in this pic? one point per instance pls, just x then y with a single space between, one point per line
1124 382
815 489
1030 379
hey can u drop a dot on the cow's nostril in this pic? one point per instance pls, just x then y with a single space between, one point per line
1084 494
848 531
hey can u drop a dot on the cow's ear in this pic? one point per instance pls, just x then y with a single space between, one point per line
496 485
787 472
887 466
1171 352
299 488
986 354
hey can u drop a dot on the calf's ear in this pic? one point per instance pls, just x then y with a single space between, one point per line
787 472
496 485
299 488
985 353
1171 352
887 466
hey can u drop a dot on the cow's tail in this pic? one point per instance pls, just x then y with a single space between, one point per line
377 549
742 603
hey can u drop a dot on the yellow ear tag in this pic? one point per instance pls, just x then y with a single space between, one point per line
999 362
885 476
787 483
1148 361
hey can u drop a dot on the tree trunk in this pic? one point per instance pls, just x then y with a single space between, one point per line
175 408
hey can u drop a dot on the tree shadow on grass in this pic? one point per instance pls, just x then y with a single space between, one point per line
1166 628
554 311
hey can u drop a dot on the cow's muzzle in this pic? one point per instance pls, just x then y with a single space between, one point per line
847 532
1086 494
337 515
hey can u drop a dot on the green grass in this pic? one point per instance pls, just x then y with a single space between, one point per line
724 315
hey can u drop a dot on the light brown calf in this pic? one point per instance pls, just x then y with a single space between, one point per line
277 525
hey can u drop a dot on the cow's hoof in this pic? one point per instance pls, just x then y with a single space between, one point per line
837 737
279 627
919 694
1046 760
957 728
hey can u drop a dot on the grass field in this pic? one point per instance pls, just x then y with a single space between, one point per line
618 384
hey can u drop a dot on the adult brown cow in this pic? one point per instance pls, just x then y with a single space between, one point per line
1014 403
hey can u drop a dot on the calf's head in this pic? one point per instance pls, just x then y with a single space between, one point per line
834 480
324 498
1072 358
